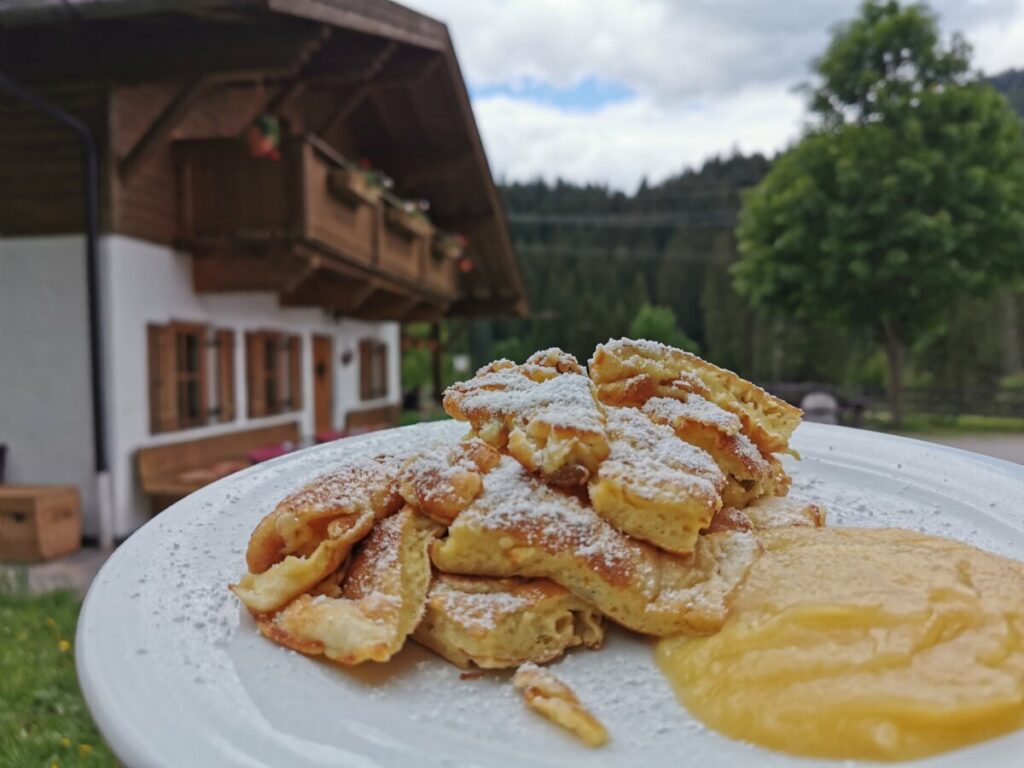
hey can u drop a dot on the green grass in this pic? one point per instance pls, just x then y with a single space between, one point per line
965 424
43 718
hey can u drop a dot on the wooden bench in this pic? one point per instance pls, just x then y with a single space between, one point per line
170 472
368 419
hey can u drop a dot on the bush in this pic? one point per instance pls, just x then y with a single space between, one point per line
1014 381
659 324
512 349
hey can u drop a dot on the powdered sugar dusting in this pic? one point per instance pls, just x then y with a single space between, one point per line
754 459
378 561
648 347
695 408
548 519
348 489
442 467
478 610
564 400
653 460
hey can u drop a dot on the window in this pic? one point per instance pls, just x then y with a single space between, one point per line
190 375
373 369
182 393
274 372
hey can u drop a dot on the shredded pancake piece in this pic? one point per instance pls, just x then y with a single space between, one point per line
443 481
519 526
268 591
696 420
299 522
552 698
500 623
653 485
630 372
554 359
542 413
382 598
771 512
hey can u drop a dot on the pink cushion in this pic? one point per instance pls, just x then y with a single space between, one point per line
267 452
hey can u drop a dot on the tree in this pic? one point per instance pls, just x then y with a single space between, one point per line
510 349
906 192
659 324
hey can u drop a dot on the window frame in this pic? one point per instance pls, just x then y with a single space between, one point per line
185 376
189 388
373 369
273 373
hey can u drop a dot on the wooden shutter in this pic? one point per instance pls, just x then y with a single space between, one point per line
254 369
226 374
295 371
163 378
382 370
203 376
365 369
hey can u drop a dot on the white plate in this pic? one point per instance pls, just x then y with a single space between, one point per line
176 674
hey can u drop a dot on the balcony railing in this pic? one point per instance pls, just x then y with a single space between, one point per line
311 200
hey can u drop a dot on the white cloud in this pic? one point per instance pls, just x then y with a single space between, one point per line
664 48
998 45
738 59
623 142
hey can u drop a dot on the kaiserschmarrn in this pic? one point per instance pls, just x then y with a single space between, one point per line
632 492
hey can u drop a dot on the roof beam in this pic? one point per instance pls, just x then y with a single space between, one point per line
294 85
476 307
124 53
348 106
159 131
431 168
378 19
345 108
325 290
385 305
470 219
425 312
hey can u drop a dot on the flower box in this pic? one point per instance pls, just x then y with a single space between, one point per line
410 223
450 247
353 187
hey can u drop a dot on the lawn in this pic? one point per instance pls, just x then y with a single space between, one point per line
964 424
43 718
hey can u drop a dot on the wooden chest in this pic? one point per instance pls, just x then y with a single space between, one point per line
39 522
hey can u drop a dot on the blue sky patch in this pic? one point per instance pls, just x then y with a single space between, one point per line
587 95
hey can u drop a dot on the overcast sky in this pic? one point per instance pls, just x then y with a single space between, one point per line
612 91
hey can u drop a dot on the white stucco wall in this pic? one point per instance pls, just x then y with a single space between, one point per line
45 396
146 283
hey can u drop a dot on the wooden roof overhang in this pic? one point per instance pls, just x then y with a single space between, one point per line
369 77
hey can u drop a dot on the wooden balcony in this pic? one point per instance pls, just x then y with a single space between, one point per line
304 227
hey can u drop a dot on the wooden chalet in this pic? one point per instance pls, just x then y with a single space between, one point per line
264 171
